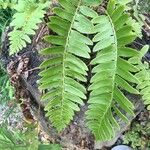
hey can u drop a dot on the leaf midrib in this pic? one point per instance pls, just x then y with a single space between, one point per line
64 58
116 47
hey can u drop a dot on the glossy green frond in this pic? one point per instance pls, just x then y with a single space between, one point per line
144 86
143 76
112 72
64 69
7 4
92 2
25 21
123 2
136 26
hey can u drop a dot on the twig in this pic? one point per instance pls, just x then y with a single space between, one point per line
36 68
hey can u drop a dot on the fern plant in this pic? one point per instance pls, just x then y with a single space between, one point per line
92 2
29 14
65 91
25 21
27 140
143 75
8 3
81 34
112 72
144 86
65 72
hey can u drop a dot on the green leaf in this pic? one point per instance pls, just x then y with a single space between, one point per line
123 2
49 147
88 12
25 22
112 72
86 45
92 2
63 68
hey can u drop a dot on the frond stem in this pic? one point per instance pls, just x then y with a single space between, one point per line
65 53
115 68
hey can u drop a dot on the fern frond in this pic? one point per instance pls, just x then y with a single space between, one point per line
112 72
8 4
143 76
123 2
144 86
25 21
137 27
92 2
64 70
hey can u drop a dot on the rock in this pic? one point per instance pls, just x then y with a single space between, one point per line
121 147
